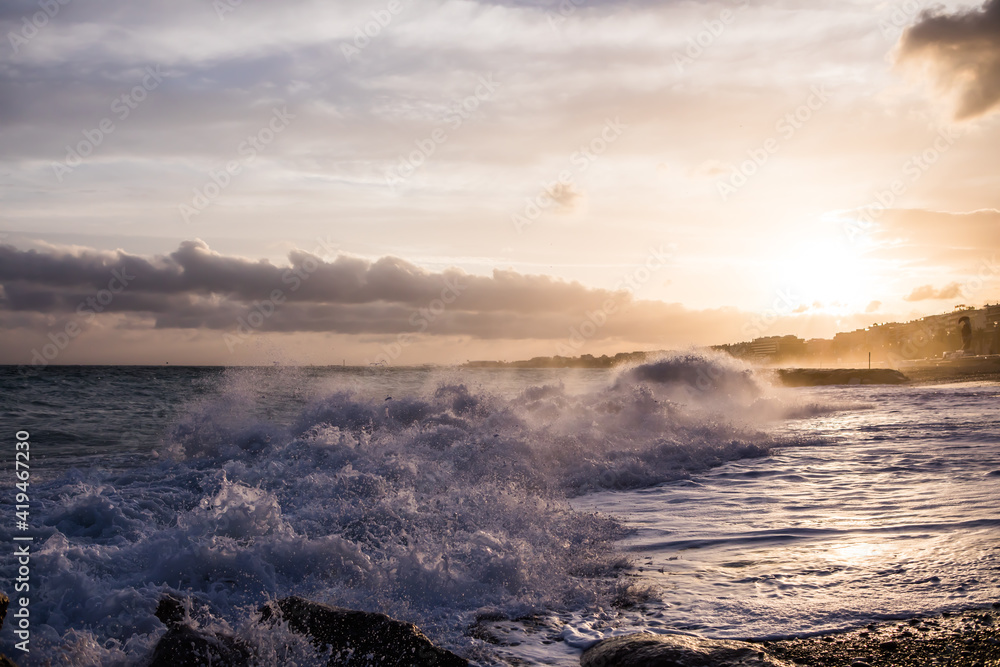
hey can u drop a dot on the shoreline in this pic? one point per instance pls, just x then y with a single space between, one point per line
958 639
968 638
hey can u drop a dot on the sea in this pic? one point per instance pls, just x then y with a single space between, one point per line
517 516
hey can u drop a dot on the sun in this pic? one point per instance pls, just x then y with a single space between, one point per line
829 275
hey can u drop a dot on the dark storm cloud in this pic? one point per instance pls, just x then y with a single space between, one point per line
194 287
962 51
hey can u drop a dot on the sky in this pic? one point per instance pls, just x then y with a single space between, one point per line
409 181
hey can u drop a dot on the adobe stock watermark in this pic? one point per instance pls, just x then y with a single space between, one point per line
630 283
407 165
901 15
713 29
421 321
218 180
911 171
786 127
21 616
121 108
31 25
88 309
581 160
223 7
364 34
987 269
784 304
562 13
262 310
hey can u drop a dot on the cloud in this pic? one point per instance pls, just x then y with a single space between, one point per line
941 240
927 292
873 307
961 53
710 169
566 196
197 294
195 287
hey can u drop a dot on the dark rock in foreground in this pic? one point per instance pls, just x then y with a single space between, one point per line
187 647
4 603
183 646
818 377
967 639
354 637
649 650
361 638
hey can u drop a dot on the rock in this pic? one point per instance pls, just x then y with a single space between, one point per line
649 650
4 603
360 638
186 647
817 377
170 611
183 646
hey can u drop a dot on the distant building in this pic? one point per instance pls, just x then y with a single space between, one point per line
774 348
888 343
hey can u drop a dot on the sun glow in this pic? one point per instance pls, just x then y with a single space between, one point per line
831 277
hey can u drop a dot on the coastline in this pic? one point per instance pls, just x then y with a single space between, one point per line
957 639
789 376
969 638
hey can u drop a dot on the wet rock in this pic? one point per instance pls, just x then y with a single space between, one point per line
187 647
4 603
170 611
649 650
184 646
360 638
818 377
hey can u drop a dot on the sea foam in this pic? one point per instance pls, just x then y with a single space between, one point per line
432 506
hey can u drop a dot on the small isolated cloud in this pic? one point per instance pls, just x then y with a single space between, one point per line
874 307
928 293
711 169
566 196
961 53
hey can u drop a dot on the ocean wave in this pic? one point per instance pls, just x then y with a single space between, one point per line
430 507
